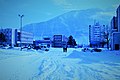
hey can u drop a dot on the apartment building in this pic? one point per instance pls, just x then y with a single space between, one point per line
16 38
57 41
10 36
96 34
115 31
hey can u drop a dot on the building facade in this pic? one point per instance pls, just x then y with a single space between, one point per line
114 26
57 41
115 43
96 34
26 38
115 31
46 41
118 17
15 38
10 36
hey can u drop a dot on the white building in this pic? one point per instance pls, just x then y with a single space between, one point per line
115 31
96 34
57 41
45 41
15 38
26 38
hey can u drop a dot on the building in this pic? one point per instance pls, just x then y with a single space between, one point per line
114 26
115 43
57 41
64 42
115 31
118 17
15 38
96 35
26 38
46 41
10 36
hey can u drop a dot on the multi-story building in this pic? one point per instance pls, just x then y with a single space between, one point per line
114 26
10 36
115 31
46 41
118 17
16 38
115 41
26 38
57 41
96 34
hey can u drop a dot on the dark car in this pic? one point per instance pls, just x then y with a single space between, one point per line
96 50
85 49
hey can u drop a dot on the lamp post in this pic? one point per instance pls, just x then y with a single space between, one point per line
21 16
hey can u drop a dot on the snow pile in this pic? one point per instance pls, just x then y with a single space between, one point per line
58 65
90 57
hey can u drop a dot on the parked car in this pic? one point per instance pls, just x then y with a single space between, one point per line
44 48
36 47
91 50
96 50
85 49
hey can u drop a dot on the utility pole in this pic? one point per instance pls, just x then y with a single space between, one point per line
21 16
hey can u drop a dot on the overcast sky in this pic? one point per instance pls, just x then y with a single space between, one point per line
43 10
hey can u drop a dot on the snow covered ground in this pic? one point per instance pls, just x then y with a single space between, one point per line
58 65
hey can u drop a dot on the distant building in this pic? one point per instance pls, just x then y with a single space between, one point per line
64 42
96 34
14 37
46 41
26 38
57 41
115 31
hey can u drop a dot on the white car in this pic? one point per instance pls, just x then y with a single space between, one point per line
44 47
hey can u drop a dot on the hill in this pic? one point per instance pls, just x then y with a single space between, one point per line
73 23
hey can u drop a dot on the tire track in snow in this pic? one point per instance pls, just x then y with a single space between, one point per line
47 68
54 67
100 72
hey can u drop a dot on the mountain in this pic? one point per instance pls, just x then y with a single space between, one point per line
75 23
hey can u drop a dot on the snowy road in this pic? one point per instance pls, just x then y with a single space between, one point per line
56 65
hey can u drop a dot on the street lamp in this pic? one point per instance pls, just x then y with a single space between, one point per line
21 16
